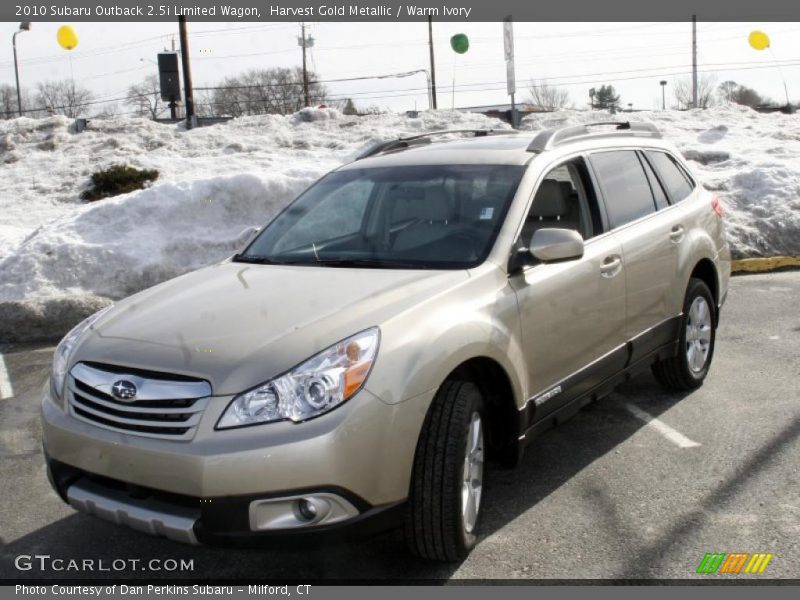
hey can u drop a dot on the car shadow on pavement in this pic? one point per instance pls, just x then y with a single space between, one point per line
550 461
554 458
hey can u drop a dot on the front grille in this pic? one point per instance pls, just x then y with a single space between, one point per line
163 408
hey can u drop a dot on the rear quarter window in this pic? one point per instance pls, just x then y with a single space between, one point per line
678 184
625 188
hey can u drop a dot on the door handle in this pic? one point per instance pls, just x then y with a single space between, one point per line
676 233
611 265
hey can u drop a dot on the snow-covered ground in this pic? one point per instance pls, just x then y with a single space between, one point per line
61 258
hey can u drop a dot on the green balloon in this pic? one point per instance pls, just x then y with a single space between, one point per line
459 43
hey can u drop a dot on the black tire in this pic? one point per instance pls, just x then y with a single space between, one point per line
434 526
675 373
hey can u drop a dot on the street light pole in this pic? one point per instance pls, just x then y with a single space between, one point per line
663 94
303 43
24 26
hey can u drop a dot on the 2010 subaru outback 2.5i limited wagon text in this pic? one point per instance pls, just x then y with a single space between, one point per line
422 310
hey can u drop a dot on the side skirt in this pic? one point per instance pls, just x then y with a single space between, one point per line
588 385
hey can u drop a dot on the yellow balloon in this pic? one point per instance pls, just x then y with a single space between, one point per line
759 40
67 38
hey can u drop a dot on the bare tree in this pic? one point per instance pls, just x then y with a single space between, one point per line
63 97
8 101
145 98
265 91
107 111
546 96
204 104
706 86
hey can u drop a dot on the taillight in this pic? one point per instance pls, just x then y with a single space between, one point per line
718 207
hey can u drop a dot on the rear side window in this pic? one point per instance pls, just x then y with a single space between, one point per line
655 185
677 183
625 187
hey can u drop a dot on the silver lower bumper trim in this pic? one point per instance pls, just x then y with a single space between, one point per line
148 516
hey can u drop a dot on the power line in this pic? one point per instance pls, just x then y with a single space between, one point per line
500 85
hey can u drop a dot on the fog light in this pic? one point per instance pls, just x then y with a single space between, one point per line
306 510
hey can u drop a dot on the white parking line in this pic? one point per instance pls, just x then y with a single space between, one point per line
676 437
6 391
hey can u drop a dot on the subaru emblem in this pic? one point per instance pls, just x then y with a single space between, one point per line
124 390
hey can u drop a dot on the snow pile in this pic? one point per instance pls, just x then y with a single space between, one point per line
751 160
60 259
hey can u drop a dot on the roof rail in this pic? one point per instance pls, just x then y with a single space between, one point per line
424 138
552 138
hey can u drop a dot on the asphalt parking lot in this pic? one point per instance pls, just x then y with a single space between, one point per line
606 495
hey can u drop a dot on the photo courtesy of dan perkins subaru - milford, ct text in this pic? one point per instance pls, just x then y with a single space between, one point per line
158 590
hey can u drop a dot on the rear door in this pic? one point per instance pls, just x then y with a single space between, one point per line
638 213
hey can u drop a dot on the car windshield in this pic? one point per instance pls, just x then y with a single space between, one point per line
426 217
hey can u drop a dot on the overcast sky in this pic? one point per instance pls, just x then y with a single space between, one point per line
633 57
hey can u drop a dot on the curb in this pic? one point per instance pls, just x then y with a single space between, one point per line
764 265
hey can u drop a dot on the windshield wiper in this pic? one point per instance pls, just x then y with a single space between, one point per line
255 259
365 263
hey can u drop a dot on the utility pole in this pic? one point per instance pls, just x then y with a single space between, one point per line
433 64
663 83
304 43
24 26
187 74
694 61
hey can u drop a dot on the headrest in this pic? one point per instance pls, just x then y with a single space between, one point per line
550 200
435 206
424 203
566 188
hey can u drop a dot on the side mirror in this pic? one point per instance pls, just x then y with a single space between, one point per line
551 245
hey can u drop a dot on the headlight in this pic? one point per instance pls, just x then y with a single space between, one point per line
318 385
64 349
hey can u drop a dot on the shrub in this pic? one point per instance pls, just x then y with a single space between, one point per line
116 180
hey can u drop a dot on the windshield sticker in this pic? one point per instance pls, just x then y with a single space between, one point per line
486 213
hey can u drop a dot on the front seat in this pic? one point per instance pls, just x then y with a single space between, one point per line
550 210
433 212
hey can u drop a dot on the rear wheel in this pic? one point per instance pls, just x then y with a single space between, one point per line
689 368
447 480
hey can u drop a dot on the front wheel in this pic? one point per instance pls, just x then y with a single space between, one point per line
689 368
447 479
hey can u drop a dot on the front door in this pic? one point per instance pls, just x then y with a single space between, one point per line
572 313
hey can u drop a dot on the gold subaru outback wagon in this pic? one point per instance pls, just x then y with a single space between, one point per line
414 316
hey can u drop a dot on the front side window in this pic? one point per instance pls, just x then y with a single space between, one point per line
675 180
437 216
563 201
626 191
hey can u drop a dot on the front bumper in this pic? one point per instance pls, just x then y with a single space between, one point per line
215 521
203 490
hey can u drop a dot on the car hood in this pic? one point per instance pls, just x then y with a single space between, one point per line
237 325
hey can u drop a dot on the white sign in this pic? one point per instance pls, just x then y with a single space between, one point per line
508 38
